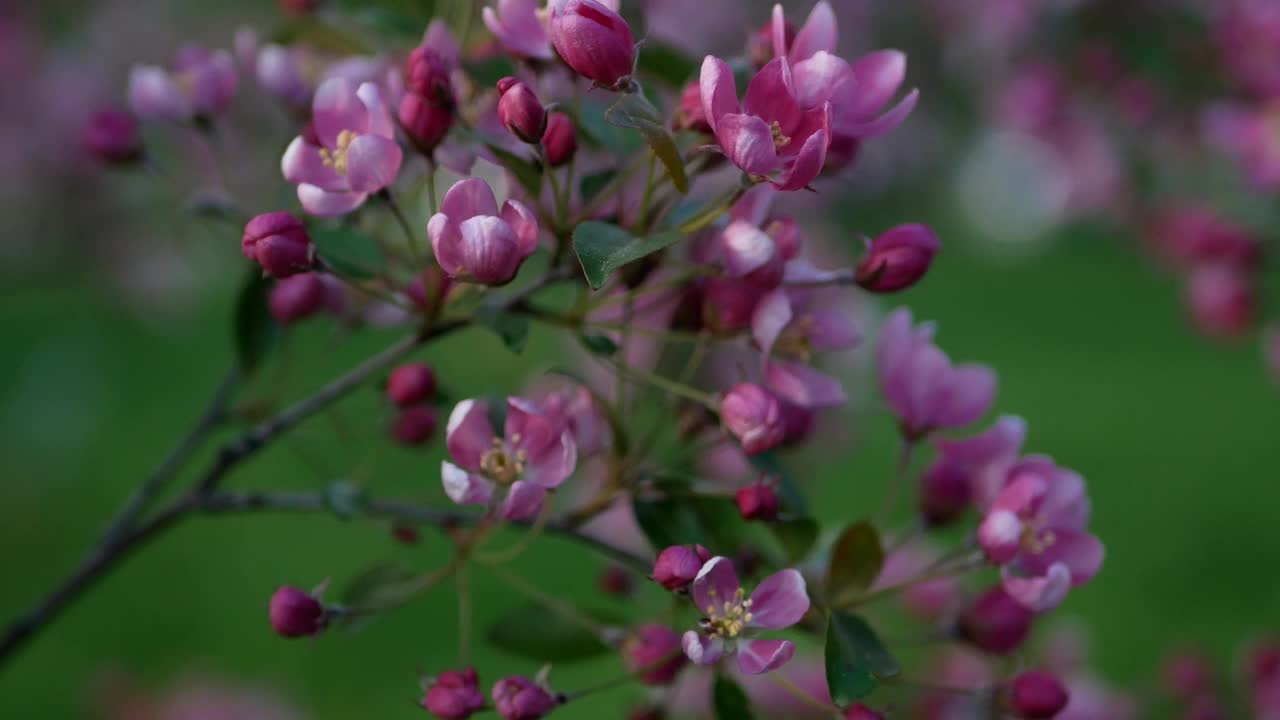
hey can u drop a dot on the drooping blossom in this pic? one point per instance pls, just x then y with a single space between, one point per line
472 241
789 326
351 152
970 471
1036 531
921 385
516 25
593 39
770 135
534 454
454 695
730 617
201 84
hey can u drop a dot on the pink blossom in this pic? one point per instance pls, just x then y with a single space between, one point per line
473 242
521 111
428 108
575 407
1035 695
295 613
534 454
789 326
410 384
678 565
516 25
897 259
352 154
972 470
1036 531
1247 134
519 698
279 70
1248 35
300 296
200 85
770 135
752 414
780 601
996 623
1190 236
454 695
593 39
921 385
278 242
652 653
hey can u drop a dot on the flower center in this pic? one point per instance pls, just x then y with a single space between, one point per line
1034 540
337 157
779 140
794 341
501 465
730 618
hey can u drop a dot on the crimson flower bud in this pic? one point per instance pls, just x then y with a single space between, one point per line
1035 695
278 242
112 136
414 426
1222 299
616 581
454 695
861 712
519 698
520 110
560 141
593 40
411 384
297 297
690 114
996 622
897 259
295 613
653 654
753 415
758 502
427 109
944 493
678 565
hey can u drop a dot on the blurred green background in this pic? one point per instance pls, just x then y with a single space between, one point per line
1176 436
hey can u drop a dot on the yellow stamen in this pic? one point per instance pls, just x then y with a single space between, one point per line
337 158
779 140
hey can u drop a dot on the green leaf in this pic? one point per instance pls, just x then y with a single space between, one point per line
667 63
603 248
349 252
729 701
255 329
528 174
710 521
511 328
856 660
597 131
634 111
856 559
797 537
598 344
591 185
537 633
381 587
344 499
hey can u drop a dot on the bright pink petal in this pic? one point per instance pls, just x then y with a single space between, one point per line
972 390
446 238
1039 593
554 464
770 318
467 199
886 122
748 143
780 601
702 649
377 116
524 223
488 249
322 203
373 162
715 584
801 385
469 435
778 30
808 164
524 501
819 33
336 107
756 657
1080 552
745 247
879 75
770 97
302 164
465 488
818 79
719 91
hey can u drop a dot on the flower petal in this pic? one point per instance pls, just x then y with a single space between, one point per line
377 117
524 223
463 487
446 237
756 657
780 601
372 163
554 465
801 385
879 75
335 108
488 249
154 95
702 649
322 203
716 582
467 199
970 391
831 329
770 97
1080 552
819 33
302 164
808 163
819 78
748 143
719 90
1038 593
886 122
755 205
469 435
770 318
745 247
524 501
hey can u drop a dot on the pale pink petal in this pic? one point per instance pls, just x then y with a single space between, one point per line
801 385
378 118
1080 552
719 91
755 205
817 79
524 501
518 29
528 428
335 108
373 162
555 464
770 318
322 203
831 329
469 435
716 583
302 164
780 601
154 95
1040 593
701 649
488 249
524 223
745 247
1066 504
439 38
886 122
756 657
778 30
445 240
819 33
465 488
972 391
1000 535
748 143
467 199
